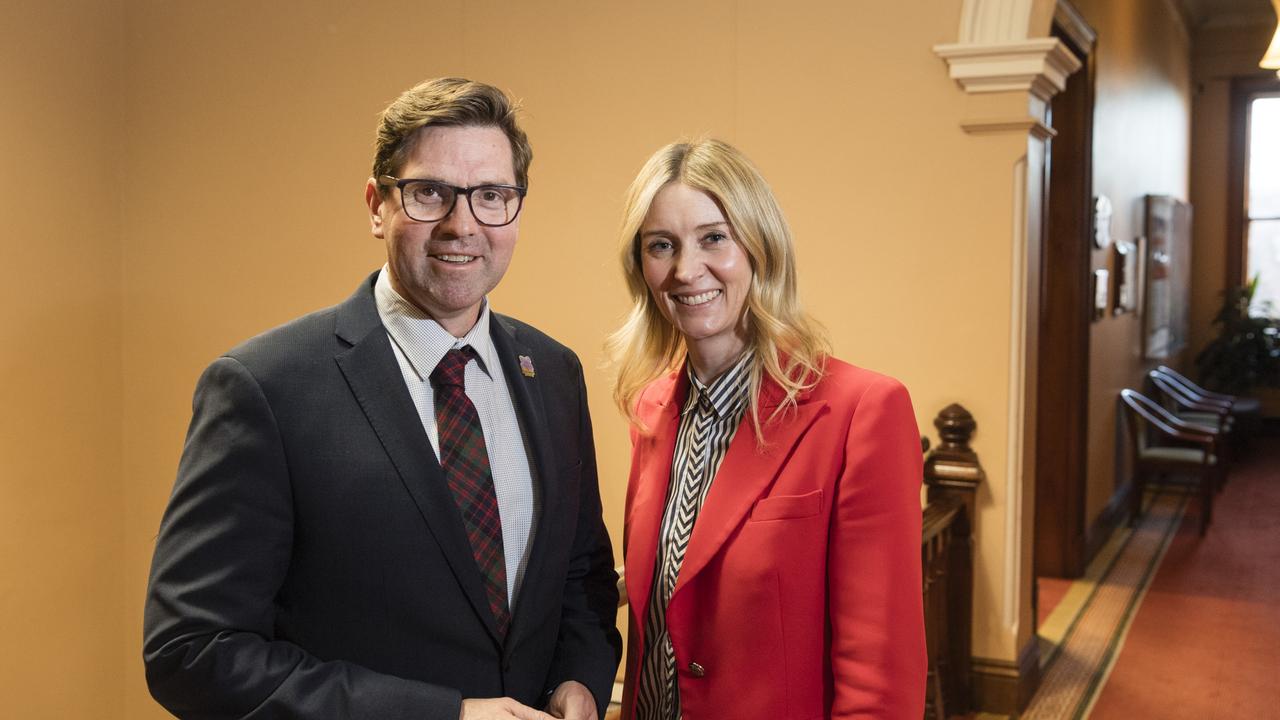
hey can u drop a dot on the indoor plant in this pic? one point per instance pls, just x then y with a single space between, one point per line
1246 352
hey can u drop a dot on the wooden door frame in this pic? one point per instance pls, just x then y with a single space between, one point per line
1065 317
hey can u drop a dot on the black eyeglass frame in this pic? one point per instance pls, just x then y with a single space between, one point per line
387 180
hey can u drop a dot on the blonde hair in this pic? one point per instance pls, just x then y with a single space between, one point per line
447 102
790 348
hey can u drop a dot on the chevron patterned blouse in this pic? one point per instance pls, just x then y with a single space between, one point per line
708 422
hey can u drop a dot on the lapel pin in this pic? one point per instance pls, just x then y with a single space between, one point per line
526 366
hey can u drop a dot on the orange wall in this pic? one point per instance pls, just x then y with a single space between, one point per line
63 616
902 221
227 170
1141 137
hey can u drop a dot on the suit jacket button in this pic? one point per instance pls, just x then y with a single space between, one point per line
697 670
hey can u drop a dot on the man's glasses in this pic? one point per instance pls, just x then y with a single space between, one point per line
429 201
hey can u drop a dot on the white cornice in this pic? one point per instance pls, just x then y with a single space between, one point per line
1040 66
1025 125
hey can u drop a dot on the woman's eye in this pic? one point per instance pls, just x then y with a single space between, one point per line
658 246
715 237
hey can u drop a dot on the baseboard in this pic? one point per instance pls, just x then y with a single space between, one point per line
1111 517
1005 687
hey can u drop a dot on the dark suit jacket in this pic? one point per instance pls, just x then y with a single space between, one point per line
312 562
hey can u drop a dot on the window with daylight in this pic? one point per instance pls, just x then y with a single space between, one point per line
1262 202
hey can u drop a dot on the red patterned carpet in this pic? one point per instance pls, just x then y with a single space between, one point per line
1205 643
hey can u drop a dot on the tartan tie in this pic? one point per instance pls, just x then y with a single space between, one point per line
466 466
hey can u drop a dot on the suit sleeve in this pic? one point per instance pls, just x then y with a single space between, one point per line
220 558
878 654
589 646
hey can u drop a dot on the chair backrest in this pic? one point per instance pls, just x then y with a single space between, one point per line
1137 417
1179 395
1186 382
1173 394
1145 416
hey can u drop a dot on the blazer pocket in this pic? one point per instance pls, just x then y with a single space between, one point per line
787 507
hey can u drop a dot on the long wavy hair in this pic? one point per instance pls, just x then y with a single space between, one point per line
790 347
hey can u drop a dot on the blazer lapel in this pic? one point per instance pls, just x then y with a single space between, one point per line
745 474
652 479
526 395
374 377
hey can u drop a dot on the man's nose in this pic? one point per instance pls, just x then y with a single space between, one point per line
461 222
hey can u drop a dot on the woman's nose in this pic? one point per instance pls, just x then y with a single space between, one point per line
689 266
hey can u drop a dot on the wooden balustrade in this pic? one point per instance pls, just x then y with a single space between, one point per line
952 474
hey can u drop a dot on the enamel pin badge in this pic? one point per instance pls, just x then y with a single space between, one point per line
526 366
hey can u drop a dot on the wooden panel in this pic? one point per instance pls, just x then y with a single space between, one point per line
1065 302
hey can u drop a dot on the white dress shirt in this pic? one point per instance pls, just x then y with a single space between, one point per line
420 343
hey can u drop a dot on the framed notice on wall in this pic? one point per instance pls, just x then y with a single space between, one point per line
1125 277
1168 276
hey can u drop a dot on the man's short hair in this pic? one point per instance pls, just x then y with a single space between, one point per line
447 102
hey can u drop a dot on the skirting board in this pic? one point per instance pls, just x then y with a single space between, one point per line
1112 516
1005 687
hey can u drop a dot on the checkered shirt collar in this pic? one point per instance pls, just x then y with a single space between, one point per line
422 340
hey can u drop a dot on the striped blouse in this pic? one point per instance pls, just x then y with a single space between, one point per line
708 422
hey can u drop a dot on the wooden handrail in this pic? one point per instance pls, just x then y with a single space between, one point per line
938 516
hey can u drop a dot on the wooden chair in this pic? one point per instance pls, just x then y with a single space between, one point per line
1211 415
1186 404
1162 444
1240 406
1246 412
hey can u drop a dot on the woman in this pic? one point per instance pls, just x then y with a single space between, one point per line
773 514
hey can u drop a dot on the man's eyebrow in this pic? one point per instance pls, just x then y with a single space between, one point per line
441 181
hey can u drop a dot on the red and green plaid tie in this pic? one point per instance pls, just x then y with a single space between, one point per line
466 466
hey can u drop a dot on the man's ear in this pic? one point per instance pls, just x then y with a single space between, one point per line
373 198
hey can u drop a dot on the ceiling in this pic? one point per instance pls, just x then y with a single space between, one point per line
1227 13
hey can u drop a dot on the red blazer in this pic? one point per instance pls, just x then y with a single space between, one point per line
800 593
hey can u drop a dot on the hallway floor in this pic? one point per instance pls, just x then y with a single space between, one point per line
1167 624
1206 642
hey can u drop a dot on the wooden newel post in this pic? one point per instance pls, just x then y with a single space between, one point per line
953 468
952 473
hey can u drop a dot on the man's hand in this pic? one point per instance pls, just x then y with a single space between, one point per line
572 701
499 709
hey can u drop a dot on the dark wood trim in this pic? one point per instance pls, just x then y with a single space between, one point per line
1243 90
952 474
1111 517
1005 687
1062 389
1073 25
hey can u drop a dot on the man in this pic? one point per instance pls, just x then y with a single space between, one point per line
389 509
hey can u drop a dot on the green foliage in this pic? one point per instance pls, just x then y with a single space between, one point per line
1246 353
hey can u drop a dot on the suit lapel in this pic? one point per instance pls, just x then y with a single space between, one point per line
652 479
526 395
744 476
374 377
